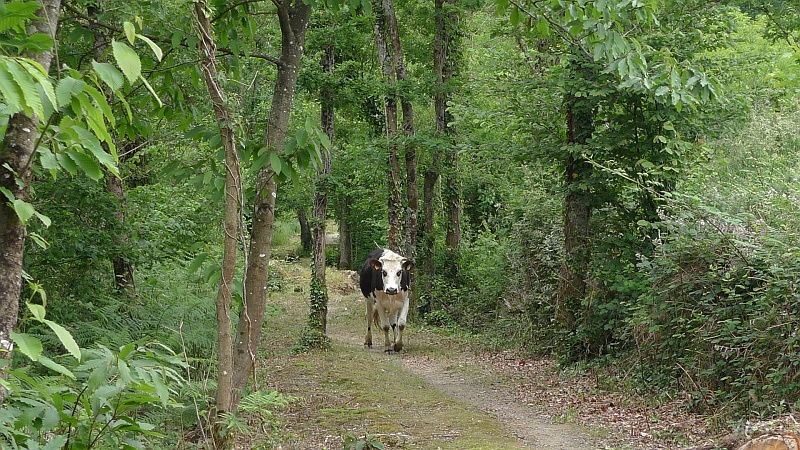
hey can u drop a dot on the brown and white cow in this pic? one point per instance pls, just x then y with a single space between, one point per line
385 280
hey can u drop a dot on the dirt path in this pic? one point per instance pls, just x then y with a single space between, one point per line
454 375
534 428
434 395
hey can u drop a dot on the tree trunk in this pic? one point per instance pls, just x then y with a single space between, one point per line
305 230
16 153
390 105
318 317
224 402
446 61
345 238
123 269
577 213
412 189
426 251
293 18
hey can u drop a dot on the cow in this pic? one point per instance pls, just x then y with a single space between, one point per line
384 281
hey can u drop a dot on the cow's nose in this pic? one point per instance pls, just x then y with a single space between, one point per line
391 291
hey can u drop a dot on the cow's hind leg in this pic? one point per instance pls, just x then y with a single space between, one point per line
370 313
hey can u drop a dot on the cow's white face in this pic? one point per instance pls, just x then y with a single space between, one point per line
391 266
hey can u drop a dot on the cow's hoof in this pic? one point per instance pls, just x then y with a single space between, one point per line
388 351
398 347
368 344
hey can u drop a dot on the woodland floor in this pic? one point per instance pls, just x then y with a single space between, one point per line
442 391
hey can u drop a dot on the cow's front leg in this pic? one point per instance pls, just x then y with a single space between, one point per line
370 318
401 326
385 326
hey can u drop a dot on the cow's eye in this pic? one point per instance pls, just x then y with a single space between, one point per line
399 272
384 273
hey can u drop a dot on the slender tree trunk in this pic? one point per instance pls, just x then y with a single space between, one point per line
577 211
390 106
318 318
426 251
16 153
207 50
123 269
293 18
305 230
412 188
345 239
447 56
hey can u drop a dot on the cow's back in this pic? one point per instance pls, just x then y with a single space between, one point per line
370 279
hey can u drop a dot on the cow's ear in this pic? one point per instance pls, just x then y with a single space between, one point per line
376 264
408 265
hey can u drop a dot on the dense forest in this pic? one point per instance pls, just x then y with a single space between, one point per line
610 183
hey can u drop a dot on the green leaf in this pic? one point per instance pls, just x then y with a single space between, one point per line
31 102
38 239
44 219
67 163
12 93
23 209
109 74
127 60
65 337
86 163
161 389
260 162
126 350
153 46
124 371
90 141
67 88
47 159
38 311
275 162
130 31
152 91
50 364
29 346
55 443
7 194
17 13
197 262
514 16
37 72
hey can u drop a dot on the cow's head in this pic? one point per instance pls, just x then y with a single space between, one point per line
394 270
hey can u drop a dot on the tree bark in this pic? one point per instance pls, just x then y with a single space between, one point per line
16 154
305 230
412 188
318 317
577 212
224 400
345 238
394 209
447 59
293 18
123 269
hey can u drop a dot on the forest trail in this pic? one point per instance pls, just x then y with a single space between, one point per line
434 395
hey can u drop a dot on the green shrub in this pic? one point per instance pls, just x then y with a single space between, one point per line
98 399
